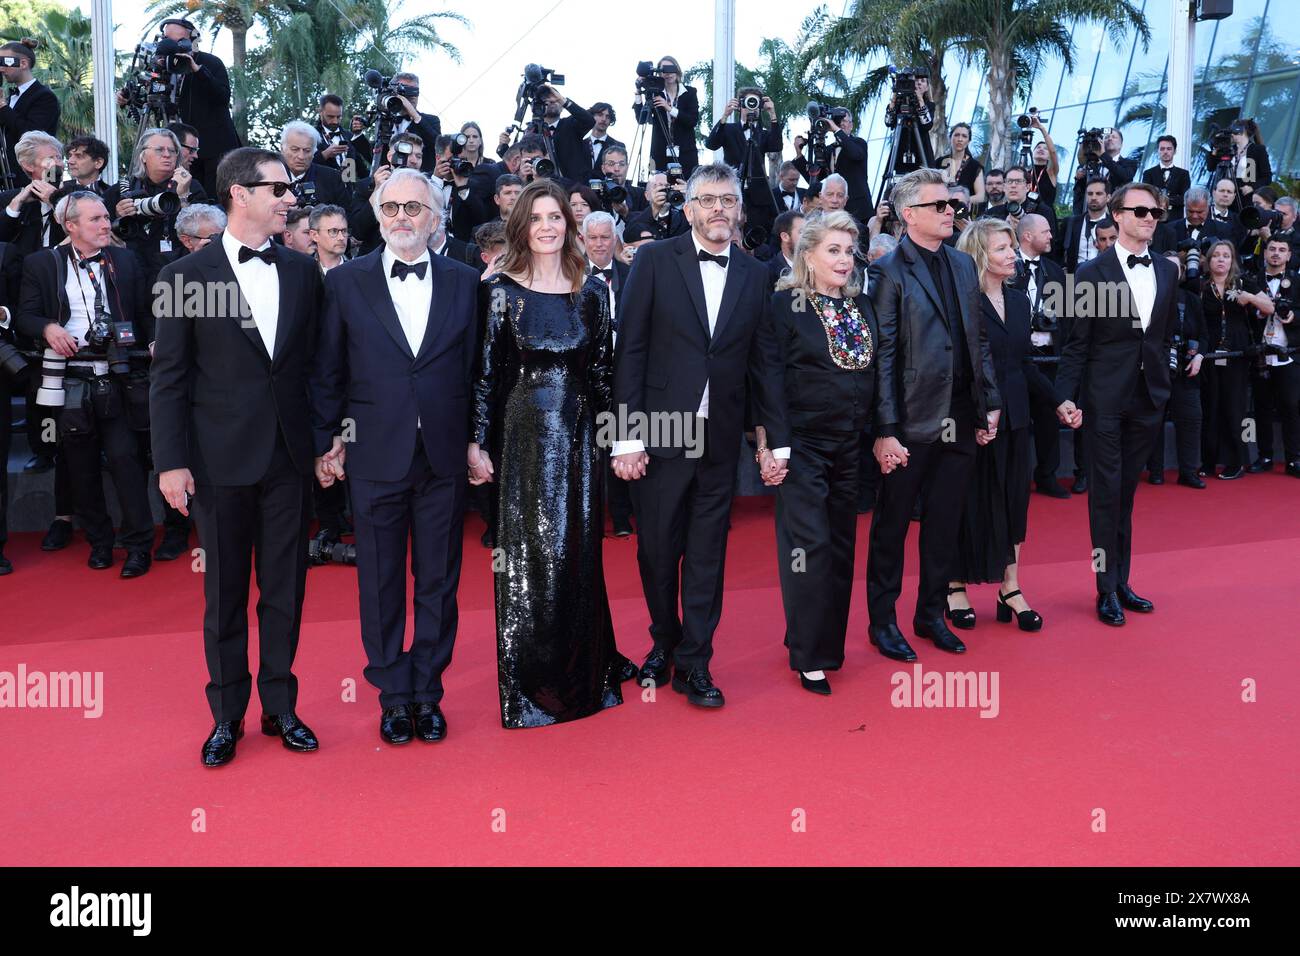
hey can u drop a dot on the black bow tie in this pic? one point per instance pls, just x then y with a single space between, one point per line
87 260
402 269
267 255
706 256
1138 261
604 273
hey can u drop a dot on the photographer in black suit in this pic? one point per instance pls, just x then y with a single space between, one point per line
1017 202
787 193
1078 242
232 437
1184 409
675 111
920 108
313 183
1172 180
662 218
1195 225
347 152
1120 352
424 125
848 157
572 153
1116 170
31 105
936 394
745 143
598 140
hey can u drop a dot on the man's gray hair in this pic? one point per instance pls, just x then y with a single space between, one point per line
712 173
191 218
600 218
68 207
836 179
956 189
299 128
142 144
1196 194
1290 202
401 176
884 243
907 188
320 212
30 142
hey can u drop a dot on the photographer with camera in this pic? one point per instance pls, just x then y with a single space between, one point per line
1172 180
1078 244
1190 234
959 167
1045 169
27 105
745 143
145 205
1289 206
90 304
1018 204
1251 168
910 101
672 110
1099 156
28 221
572 154
400 99
1275 383
313 183
663 217
87 158
1184 409
347 152
845 154
599 140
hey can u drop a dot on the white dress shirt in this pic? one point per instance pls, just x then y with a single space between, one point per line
1141 281
1039 339
411 298
18 95
259 283
1274 330
1087 242
81 305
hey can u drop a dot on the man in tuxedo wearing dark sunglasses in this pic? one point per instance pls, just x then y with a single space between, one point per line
232 438
1124 309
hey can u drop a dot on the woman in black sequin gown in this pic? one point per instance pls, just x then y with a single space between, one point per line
545 373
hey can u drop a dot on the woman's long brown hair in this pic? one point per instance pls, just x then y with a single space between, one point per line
518 257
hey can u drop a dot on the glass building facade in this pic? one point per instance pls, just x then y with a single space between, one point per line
1247 64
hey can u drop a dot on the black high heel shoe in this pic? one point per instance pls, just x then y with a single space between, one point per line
1029 620
963 617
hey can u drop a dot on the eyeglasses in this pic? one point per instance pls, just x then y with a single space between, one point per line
207 238
1142 212
162 150
711 202
411 208
190 149
334 233
939 205
278 189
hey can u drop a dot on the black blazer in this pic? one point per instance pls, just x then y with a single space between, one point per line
38 108
365 371
1118 172
1051 284
572 155
851 163
205 104
1258 154
465 253
618 282
1072 238
44 295
1170 234
730 138
1178 182
594 169
327 187
683 130
779 199
25 230
665 355
1018 377
914 355
776 268
429 128
217 401
359 151
1109 352
811 392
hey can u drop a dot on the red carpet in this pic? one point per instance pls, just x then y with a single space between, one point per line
1144 723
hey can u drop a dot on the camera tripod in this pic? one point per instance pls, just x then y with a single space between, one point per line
907 133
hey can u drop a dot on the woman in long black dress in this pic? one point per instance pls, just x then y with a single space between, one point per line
995 523
821 335
545 374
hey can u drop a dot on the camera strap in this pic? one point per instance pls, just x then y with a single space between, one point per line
100 307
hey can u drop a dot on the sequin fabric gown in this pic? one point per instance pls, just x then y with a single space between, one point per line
545 372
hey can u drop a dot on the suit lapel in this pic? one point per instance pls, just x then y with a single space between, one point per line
690 269
439 304
1108 264
381 303
730 292
921 272
213 259
287 313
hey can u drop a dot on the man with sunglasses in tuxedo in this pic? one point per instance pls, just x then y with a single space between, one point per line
232 439
1118 347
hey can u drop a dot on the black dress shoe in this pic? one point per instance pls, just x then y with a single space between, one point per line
1191 481
626 669
1080 485
100 558
889 639
822 686
1132 602
488 540
1293 469
654 669
1155 478
430 725
698 688
6 567
1052 489
1260 464
395 724
1232 475
136 564
962 617
171 547
38 464
622 529
219 748
1029 620
293 733
938 632
1108 609
58 537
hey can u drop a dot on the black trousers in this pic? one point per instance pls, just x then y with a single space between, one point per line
816 529
1223 407
1185 412
245 528
683 507
937 472
618 497
427 513
1119 444
1277 399
120 447
39 418
330 506
1046 429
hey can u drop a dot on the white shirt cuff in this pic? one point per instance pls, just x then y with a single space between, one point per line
8 317
630 447
11 213
781 454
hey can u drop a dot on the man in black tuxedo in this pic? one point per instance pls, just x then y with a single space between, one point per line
1123 347
659 218
313 183
1172 180
28 104
84 296
1195 223
1115 169
1077 242
232 437
786 231
347 152
787 193
572 154
745 144
1017 202
598 140
849 159
936 392
11 381
396 353
686 344
424 125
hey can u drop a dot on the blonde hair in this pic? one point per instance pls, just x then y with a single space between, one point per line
978 237
814 232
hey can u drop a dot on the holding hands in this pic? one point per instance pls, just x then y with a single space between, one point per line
329 467
890 454
1069 414
480 465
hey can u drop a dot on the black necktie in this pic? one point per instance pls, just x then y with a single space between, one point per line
1138 261
402 269
267 255
706 256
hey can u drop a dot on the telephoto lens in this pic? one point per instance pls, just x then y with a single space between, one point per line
53 365
162 205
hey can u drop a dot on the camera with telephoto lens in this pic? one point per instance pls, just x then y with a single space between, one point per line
13 366
751 101
1221 149
161 205
1014 208
543 168
1026 123
609 191
1092 143
532 91
388 95
1195 249
53 366
906 102
675 197
1178 353
1252 217
460 167
326 548
820 124
305 192
649 81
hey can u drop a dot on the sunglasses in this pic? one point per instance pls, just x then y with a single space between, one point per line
939 205
1142 212
278 189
